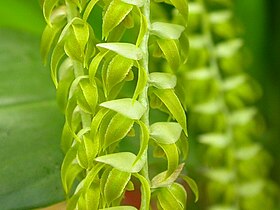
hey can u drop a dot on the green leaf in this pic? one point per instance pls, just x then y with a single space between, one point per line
72 202
171 53
138 3
48 7
179 192
73 49
92 195
48 37
96 121
115 185
165 132
195 8
103 129
120 208
192 184
127 107
30 123
75 85
167 30
23 16
93 67
183 145
114 15
252 188
81 32
162 80
233 82
221 175
228 48
90 178
209 107
56 57
144 141
162 180
247 152
167 200
200 74
64 84
84 186
171 101
221 16
90 50
69 169
145 192
89 8
243 116
182 6
185 47
143 28
86 153
123 161
117 71
66 138
141 83
218 140
72 117
126 50
118 128
90 93
172 156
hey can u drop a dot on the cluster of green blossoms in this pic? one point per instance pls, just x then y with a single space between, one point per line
220 98
107 90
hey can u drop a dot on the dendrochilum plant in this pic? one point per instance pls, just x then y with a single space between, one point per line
108 91
220 98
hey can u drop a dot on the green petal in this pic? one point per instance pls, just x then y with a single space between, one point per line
171 53
171 101
165 132
115 185
167 30
127 107
123 161
114 15
127 50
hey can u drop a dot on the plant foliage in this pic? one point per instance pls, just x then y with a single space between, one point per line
91 72
220 97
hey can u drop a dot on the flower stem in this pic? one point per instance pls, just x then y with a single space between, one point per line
143 98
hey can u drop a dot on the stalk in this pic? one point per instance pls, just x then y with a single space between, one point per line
143 97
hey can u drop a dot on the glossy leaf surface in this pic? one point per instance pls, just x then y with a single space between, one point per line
114 15
171 53
171 101
162 80
167 30
115 184
118 69
127 107
125 49
30 126
165 132
123 161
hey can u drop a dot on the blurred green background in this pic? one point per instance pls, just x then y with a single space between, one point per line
30 122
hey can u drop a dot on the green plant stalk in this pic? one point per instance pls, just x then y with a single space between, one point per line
143 97
214 68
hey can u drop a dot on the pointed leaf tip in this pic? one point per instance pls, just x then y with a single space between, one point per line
127 50
127 107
